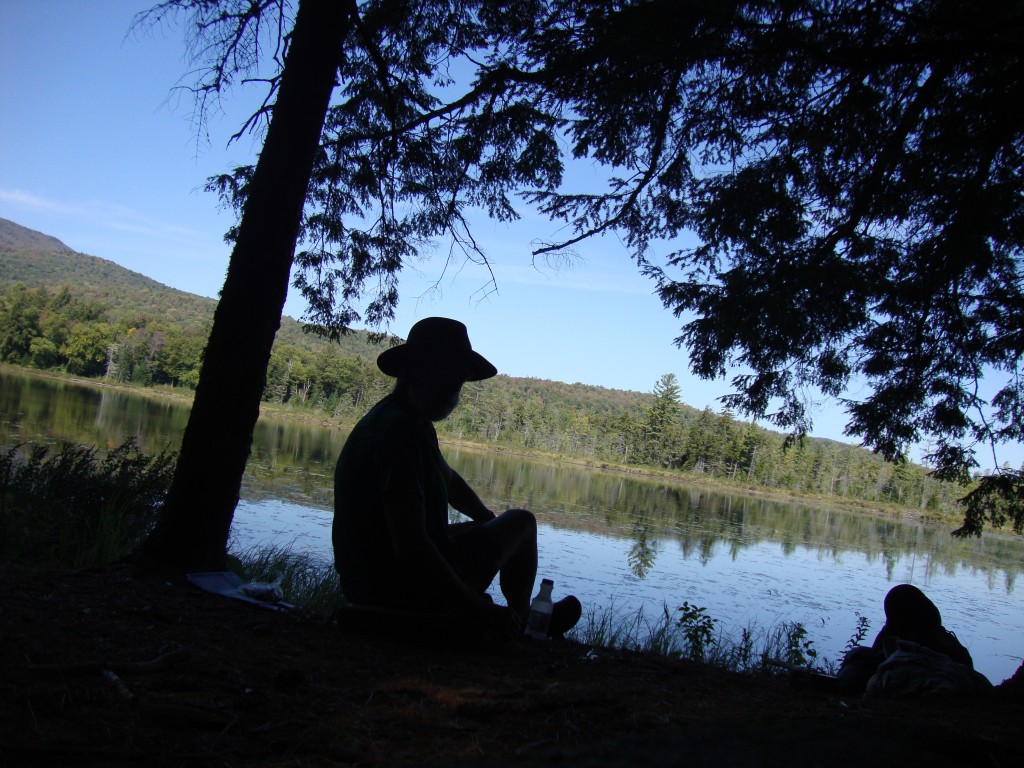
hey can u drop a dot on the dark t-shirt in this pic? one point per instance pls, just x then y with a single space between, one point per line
388 452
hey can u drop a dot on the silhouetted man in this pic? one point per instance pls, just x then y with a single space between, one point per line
393 544
909 617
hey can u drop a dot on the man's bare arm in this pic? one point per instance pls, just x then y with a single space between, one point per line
465 500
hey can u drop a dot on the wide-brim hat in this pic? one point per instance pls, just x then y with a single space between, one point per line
436 342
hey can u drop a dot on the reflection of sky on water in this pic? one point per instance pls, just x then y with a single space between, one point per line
757 586
284 524
761 586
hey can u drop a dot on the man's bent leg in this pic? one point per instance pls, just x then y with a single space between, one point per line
517 568
505 546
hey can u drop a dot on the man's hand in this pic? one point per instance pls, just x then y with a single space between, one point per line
464 499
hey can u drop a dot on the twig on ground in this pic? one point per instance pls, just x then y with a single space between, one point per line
123 690
125 667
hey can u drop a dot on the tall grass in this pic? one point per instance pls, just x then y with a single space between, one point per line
608 628
691 633
76 507
311 582
305 580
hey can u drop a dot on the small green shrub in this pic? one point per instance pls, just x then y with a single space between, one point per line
698 630
859 633
798 649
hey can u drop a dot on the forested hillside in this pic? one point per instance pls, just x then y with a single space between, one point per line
88 316
36 260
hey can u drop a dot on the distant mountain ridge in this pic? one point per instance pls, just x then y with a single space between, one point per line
39 260
16 237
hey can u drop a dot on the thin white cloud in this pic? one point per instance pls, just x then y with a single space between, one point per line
103 215
425 280
22 199
597 272
581 277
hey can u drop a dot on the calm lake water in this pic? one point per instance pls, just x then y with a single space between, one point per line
618 542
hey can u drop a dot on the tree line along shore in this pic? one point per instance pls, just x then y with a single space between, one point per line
65 331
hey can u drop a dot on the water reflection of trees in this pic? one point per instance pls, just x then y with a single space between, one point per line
40 410
702 520
643 552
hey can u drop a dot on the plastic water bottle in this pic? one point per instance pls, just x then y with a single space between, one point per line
540 612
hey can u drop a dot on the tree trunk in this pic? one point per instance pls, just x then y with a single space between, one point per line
192 531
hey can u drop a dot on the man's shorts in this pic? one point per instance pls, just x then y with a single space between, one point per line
474 553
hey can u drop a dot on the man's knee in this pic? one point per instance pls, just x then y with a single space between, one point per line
519 520
517 528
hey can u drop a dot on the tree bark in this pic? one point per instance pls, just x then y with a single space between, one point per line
192 531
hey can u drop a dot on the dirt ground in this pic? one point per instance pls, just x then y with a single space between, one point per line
100 668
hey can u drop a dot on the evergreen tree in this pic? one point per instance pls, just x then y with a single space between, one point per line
851 171
661 427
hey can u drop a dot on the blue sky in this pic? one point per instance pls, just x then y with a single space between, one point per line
99 148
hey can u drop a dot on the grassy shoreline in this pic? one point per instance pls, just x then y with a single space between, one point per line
287 413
